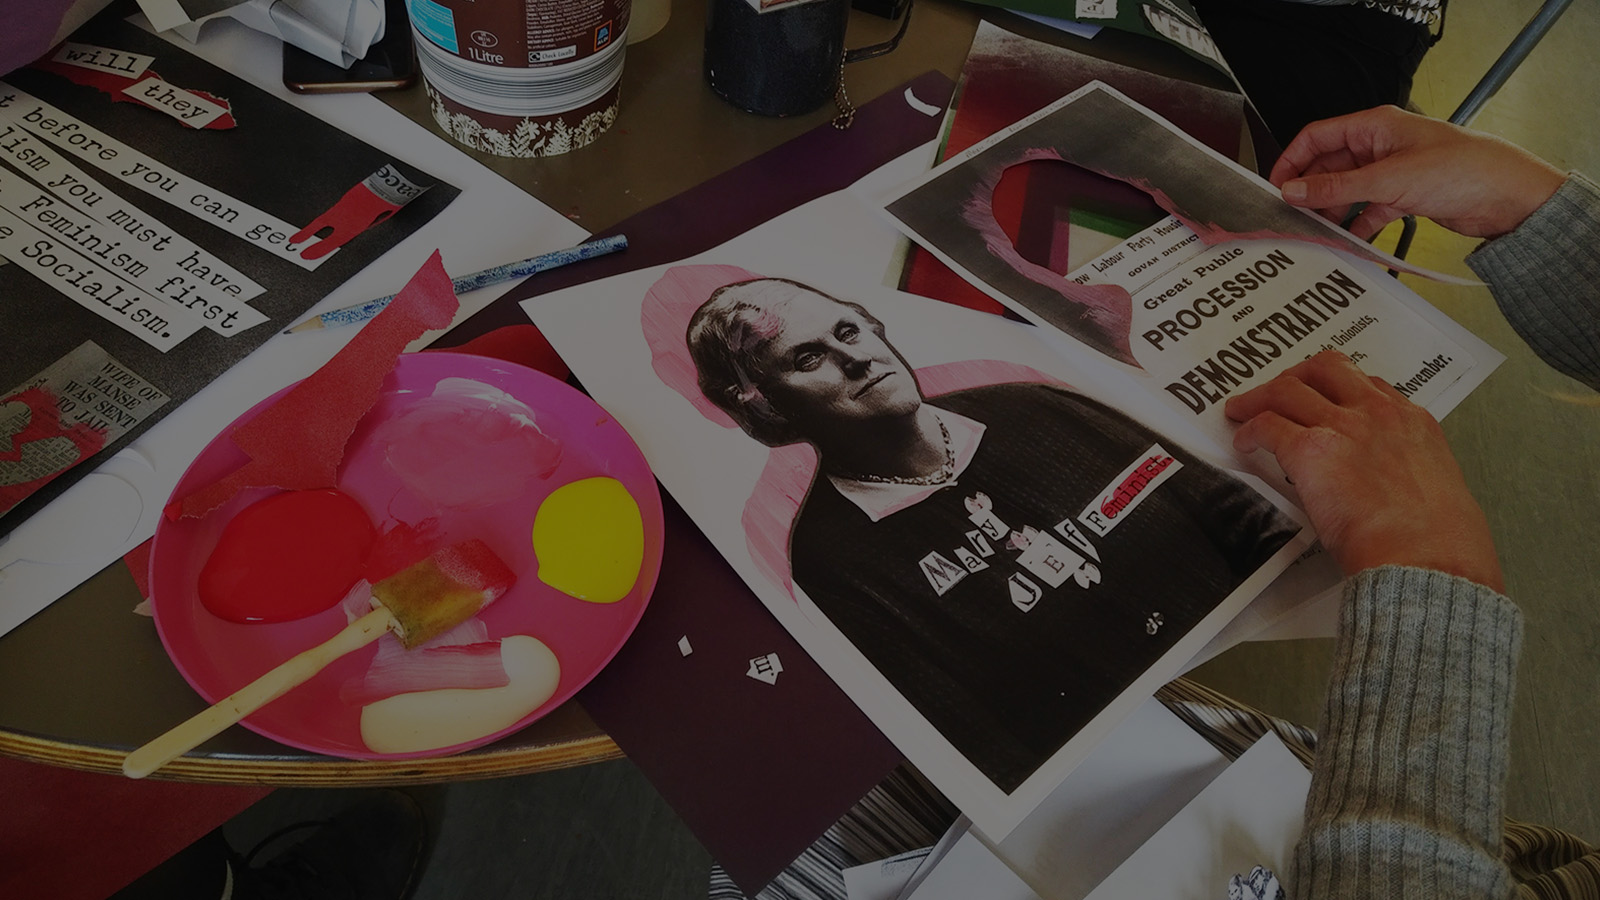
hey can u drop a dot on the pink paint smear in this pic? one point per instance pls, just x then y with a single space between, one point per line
298 442
781 488
468 445
1105 310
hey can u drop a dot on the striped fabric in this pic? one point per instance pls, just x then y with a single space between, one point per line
1429 11
902 813
1551 864
905 813
1229 725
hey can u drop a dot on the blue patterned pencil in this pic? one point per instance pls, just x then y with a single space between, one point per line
351 315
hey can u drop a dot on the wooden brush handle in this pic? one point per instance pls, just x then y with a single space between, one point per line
210 722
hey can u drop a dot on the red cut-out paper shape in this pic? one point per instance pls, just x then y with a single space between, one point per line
44 423
356 211
298 442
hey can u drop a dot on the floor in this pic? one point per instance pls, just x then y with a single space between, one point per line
597 831
602 831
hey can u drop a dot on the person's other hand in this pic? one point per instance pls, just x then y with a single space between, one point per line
1373 470
1400 163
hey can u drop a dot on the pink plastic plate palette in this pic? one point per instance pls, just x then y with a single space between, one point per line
484 491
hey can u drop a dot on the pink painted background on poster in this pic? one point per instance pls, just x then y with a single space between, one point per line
769 512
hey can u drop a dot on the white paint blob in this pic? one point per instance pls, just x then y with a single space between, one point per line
429 720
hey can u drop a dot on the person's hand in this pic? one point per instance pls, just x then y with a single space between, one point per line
1373 470
1400 163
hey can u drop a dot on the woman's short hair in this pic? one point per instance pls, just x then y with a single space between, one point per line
723 337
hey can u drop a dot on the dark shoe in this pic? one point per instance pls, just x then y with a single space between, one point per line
371 851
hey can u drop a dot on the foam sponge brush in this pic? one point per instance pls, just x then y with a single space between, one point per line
440 592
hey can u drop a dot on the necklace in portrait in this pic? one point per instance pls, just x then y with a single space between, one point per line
938 476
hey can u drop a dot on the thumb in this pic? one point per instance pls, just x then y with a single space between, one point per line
1332 189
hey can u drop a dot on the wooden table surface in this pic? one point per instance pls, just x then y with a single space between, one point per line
87 680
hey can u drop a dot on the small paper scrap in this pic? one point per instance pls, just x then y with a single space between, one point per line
187 107
1260 884
103 59
765 668
683 646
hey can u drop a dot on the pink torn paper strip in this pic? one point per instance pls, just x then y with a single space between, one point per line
471 667
465 657
298 442
1104 311
400 544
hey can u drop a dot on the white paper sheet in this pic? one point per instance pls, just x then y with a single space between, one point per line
1124 842
1070 26
337 31
970 869
1250 816
1138 778
492 222
884 879
839 244
1176 329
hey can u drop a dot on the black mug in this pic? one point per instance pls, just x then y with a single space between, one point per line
786 61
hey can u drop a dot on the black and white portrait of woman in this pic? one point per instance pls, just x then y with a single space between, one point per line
1010 554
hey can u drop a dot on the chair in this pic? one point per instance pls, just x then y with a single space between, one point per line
1528 38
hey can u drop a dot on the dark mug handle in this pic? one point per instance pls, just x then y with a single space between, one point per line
785 62
874 51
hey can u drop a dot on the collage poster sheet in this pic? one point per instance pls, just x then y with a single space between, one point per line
1071 551
1172 22
160 219
1222 295
996 538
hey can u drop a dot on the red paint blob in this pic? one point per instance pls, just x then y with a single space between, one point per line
289 556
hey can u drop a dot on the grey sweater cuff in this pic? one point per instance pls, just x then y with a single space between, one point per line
1406 792
1544 276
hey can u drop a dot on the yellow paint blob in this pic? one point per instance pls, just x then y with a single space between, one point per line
589 538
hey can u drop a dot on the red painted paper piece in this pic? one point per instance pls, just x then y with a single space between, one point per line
356 211
298 442
73 835
138 562
113 86
524 345
521 344
37 441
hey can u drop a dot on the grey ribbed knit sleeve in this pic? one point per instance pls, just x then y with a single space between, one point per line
1406 790
1546 277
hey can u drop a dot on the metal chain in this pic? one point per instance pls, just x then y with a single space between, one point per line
847 110
1424 11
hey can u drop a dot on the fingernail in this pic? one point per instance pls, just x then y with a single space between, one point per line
1294 190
